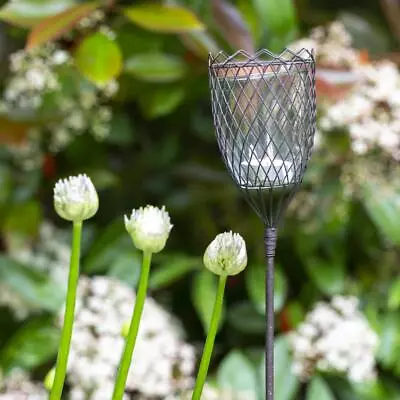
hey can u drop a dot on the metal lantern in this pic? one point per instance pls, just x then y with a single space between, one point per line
264 110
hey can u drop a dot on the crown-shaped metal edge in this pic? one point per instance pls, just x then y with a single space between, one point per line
262 57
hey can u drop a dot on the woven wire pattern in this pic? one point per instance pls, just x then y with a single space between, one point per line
264 109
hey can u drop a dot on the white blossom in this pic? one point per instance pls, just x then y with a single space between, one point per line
163 363
335 337
212 393
18 386
75 198
149 228
36 75
226 254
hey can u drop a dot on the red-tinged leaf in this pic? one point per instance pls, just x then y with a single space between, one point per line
165 19
28 13
53 27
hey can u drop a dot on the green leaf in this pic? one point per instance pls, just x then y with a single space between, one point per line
112 242
156 67
33 286
23 219
121 131
328 277
389 349
319 390
286 383
172 269
245 318
163 18
278 17
99 58
204 291
53 27
161 101
255 283
394 295
237 374
126 268
31 346
200 43
383 206
28 13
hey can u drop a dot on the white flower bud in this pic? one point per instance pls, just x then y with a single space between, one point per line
75 198
149 227
226 254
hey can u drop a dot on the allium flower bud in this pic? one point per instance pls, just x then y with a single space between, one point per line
226 254
149 227
75 198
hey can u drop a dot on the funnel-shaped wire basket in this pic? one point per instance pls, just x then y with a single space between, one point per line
264 110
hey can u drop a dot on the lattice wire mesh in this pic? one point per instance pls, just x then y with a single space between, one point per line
264 110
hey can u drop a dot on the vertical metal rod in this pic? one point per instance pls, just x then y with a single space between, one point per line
270 246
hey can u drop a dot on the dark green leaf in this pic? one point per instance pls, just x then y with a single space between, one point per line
389 349
237 374
99 58
27 13
23 219
255 282
122 131
31 346
126 267
328 277
319 390
172 269
113 242
245 318
286 382
161 101
156 67
383 206
163 18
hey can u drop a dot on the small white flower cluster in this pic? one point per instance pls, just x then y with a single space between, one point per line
371 113
332 46
44 73
163 363
211 393
49 254
18 386
335 337
33 74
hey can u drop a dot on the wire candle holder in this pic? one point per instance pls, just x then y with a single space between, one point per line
264 110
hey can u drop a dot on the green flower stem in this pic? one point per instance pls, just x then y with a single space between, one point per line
208 347
62 358
126 359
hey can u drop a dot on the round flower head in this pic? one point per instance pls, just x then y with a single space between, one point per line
149 227
75 198
226 254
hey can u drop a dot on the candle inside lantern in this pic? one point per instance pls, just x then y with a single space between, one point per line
268 171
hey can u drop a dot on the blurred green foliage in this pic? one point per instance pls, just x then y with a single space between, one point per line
161 150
